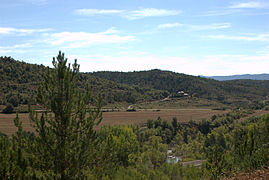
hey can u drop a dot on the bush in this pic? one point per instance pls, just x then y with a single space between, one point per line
14 101
130 110
9 109
2 134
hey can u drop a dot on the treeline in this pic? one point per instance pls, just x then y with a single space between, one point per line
19 83
238 93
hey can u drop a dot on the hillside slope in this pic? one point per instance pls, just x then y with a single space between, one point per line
19 82
230 92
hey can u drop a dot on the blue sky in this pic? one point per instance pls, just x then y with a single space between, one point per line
209 37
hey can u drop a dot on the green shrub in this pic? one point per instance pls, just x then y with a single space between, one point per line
8 109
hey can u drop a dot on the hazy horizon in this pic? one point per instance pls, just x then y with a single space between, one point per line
50 65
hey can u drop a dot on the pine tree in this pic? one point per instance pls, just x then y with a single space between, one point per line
65 135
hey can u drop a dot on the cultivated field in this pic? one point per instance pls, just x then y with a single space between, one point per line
141 117
120 118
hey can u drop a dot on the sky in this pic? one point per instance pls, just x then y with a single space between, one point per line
209 37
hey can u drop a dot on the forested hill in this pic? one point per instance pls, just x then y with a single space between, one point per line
19 82
224 91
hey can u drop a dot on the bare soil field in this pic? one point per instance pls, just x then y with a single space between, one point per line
122 118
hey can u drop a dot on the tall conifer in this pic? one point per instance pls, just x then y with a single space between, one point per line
65 135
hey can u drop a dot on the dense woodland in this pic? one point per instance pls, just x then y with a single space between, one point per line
66 146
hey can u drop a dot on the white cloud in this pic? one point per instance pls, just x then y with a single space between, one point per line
207 65
239 7
111 30
131 15
264 50
38 2
92 12
82 39
235 64
260 37
222 12
150 12
25 45
8 30
169 25
17 48
129 63
214 26
251 4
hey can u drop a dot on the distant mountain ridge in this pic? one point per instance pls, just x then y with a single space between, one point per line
263 76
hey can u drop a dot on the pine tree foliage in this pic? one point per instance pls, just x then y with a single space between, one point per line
13 164
65 135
